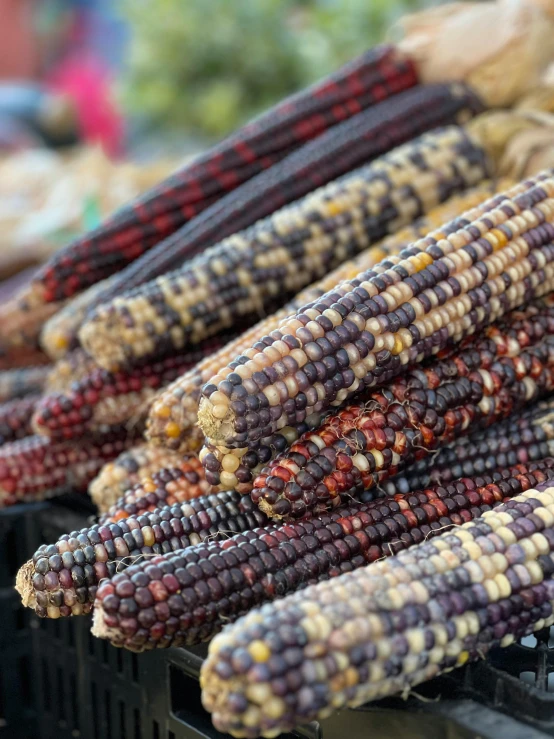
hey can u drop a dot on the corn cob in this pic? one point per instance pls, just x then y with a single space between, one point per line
471 271
484 381
286 251
59 333
119 476
74 367
17 383
15 418
163 488
173 415
514 441
21 357
22 322
385 628
200 589
62 578
35 468
102 398
376 75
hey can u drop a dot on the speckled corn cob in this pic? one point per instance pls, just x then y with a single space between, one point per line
244 274
173 415
102 399
486 380
35 468
163 488
62 578
59 333
468 273
515 441
119 476
183 598
386 628
17 383
15 418
72 368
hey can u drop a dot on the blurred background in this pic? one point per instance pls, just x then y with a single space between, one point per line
101 98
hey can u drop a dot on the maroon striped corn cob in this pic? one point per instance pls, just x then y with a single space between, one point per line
376 75
163 488
119 476
484 381
281 254
173 414
467 274
62 578
102 399
17 383
518 440
386 628
35 468
186 597
15 418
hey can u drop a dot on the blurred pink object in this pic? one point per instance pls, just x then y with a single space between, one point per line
88 84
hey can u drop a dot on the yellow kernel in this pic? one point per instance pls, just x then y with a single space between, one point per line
230 462
398 345
173 430
228 480
259 651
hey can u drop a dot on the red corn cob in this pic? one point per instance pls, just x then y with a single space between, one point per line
348 145
35 468
15 418
375 75
185 597
387 429
101 398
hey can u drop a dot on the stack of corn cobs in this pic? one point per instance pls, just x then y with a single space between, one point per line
308 381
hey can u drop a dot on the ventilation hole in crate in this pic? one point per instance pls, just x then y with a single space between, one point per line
155 730
74 704
105 653
529 641
136 721
122 723
134 667
186 704
47 706
119 659
57 629
527 677
20 614
12 552
71 633
25 683
94 703
90 643
170 735
61 694
108 708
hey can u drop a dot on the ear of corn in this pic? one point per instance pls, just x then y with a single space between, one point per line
73 367
134 464
385 628
35 468
186 597
21 357
62 578
518 440
291 248
173 414
163 488
374 76
408 307
102 399
15 418
17 383
484 381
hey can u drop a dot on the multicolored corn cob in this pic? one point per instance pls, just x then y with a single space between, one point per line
274 258
74 367
518 440
119 476
484 381
59 333
184 598
173 414
372 77
35 468
163 488
102 399
15 418
17 383
442 288
62 578
385 628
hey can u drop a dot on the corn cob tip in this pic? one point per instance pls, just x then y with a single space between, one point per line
103 344
501 67
24 584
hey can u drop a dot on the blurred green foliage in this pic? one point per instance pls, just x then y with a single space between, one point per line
205 66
